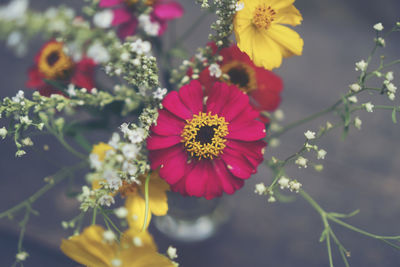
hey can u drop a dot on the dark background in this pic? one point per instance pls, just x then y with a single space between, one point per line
360 172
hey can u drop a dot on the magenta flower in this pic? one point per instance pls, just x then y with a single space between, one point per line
126 16
206 144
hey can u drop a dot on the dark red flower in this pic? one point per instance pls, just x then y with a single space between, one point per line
206 142
51 63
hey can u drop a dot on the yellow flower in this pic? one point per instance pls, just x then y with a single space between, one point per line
90 248
135 202
100 150
260 35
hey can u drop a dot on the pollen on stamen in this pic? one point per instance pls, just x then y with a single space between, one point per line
263 16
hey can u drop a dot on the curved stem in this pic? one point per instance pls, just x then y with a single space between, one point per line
146 197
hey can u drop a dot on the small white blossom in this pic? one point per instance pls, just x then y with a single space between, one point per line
380 41
98 53
130 168
94 161
27 142
109 236
369 107
309 135
71 90
15 9
391 96
19 97
103 19
125 128
321 154
25 120
137 135
284 182
239 6
114 182
274 142
85 193
260 189
391 87
171 252
3 132
14 39
389 76
279 115
137 241
114 141
353 99
121 212
294 186
130 151
124 56
150 27
357 123
361 65
106 200
271 199
116 262
355 87
20 153
160 93
215 71
301 162
378 27
140 47
22 256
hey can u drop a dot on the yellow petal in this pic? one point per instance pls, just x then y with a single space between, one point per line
143 257
88 248
287 38
289 15
157 195
136 207
278 4
100 150
139 239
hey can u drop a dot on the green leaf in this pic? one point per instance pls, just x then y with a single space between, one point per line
394 115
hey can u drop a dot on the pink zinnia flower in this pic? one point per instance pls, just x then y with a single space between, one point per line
206 144
125 15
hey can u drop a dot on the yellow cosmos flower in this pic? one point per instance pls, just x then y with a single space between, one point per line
135 202
91 249
260 34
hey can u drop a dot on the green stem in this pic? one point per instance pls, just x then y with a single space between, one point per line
146 197
94 215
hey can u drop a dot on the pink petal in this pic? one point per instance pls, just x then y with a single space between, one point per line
121 15
213 186
237 165
246 131
168 11
35 78
175 167
192 96
246 115
217 97
180 187
173 104
196 180
228 182
109 3
159 142
127 29
83 76
157 157
235 103
168 124
251 149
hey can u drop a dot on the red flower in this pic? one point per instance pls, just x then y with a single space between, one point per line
51 63
127 22
206 144
263 86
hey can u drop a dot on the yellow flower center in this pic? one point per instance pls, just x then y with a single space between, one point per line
263 16
241 75
204 135
53 62
147 2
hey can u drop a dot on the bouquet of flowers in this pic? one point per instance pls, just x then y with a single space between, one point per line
197 125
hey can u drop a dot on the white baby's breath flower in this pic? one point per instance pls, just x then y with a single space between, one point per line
125 56
260 189
357 123
309 135
391 87
114 141
171 252
391 96
130 151
295 186
106 200
361 65
160 93
140 47
352 99
19 97
109 236
15 9
116 262
284 182
378 27
389 76
25 120
152 28
121 212
137 241
279 115
94 161
71 90
239 6
380 41
271 199
355 87
215 70
104 18
3 132
301 162
22 256
321 154
98 53
369 107
114 182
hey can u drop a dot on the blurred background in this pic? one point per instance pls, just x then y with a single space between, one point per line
361 172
